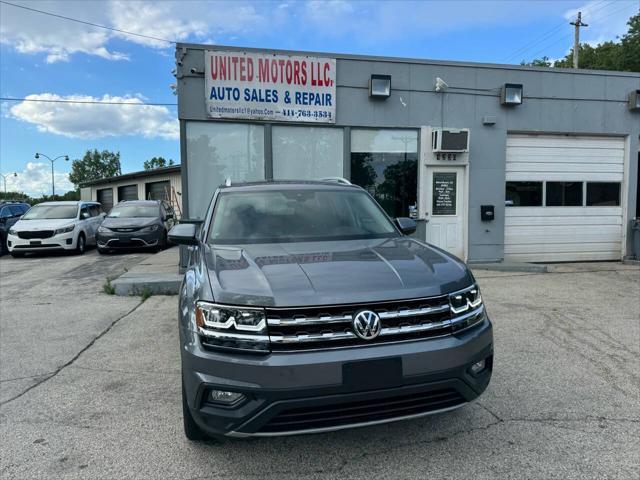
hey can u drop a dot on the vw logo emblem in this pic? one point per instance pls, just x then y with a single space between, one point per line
366 324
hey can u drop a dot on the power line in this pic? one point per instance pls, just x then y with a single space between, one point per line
84 22
597 19
89 102
554 31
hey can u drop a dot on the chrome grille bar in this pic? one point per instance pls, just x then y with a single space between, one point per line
301 321
413 312
328 319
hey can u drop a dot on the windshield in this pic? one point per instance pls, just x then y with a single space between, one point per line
51 212
134 211
297 216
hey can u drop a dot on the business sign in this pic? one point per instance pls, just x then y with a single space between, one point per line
260 86
444 193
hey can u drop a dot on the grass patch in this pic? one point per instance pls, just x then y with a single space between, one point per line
108 288
146 293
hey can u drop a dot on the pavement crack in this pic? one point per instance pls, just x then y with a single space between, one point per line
27 377
129 372
75 357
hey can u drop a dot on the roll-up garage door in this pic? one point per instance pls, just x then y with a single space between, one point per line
105 197
157 190
128 192
564 198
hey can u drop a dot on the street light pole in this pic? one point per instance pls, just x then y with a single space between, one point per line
4 177
66 159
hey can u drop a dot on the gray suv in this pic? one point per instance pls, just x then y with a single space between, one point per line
136 224
304 308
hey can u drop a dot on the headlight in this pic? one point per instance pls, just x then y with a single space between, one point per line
465 300
150 228
466 308
12 232
64 229
104 230
228 327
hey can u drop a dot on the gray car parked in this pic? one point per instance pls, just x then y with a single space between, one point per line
304 308
136 224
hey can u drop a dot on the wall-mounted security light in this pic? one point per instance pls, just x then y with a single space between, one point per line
634 100
511 94
380 86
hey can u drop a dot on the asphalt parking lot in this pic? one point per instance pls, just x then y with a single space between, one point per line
90 387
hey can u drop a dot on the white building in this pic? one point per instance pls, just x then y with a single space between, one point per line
157 184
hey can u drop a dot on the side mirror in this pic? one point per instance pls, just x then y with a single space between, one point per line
406 225
183 234
3 220
84 216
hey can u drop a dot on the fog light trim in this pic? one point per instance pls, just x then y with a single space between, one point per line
477 367
223 397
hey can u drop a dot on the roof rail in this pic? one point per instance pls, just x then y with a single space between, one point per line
340 180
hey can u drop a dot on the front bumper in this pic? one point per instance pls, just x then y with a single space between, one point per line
315 391
62 241
128 239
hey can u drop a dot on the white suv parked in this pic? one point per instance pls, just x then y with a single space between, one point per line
56 226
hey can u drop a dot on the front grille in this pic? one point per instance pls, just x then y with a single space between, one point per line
362 411
125 244
332 326
35 234
126 229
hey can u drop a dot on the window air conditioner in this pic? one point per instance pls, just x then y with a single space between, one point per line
450 140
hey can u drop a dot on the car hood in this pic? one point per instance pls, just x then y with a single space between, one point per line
116 222
321 273
42 224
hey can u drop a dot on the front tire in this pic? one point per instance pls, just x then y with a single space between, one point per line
191 429
81 246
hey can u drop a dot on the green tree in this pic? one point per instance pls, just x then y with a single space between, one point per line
18 196
622 55
157 162
95 165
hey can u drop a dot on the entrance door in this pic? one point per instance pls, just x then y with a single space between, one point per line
445 210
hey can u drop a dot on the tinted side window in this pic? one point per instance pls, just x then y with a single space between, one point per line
5 212
84 210
15 210
524 194
94 210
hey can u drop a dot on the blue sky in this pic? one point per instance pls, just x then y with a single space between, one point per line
44 57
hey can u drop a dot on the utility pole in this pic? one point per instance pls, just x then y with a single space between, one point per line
576 38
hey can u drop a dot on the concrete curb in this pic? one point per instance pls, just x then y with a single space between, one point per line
156 284
510 267
155 275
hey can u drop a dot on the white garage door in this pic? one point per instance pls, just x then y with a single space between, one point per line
565 194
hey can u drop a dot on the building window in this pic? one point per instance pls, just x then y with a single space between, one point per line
385 163
524 194
564 194
217 151
307 153
603 194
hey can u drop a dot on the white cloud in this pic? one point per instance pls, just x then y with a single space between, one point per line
84 120
35 180
32 32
